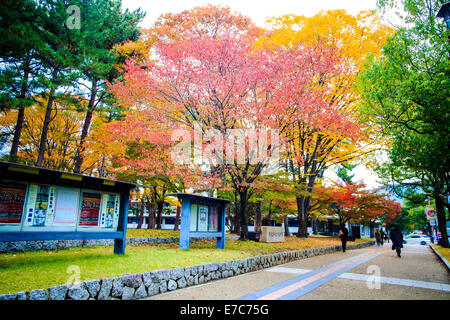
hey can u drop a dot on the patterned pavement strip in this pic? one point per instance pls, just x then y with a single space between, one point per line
296 287
363 277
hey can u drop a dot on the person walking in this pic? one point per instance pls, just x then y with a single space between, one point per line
378 237
397 240
383 236
343 235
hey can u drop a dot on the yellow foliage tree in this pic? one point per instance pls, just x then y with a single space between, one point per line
312 147
63 136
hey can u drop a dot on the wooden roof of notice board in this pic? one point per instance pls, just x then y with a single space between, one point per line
198 198
19 172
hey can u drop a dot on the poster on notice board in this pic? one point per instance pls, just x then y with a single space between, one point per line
12 200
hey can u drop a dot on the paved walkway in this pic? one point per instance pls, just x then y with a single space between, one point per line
373 273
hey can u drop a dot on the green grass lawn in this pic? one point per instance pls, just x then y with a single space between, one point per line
25 271
153 233
445 252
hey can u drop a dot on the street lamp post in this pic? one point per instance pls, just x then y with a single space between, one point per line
444 12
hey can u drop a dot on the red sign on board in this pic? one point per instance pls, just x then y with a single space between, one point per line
12 199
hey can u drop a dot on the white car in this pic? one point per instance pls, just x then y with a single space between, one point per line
417 239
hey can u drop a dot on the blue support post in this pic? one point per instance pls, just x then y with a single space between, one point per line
119 244
221 240
185 223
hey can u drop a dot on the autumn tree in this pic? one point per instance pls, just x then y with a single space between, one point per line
352 202
142 154
316 142
209 20
63 133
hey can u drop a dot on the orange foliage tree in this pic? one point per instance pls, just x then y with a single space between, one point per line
352 202
315 141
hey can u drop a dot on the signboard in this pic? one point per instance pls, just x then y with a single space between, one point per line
431 212
12 200
41 204
201 217
272 234
90 209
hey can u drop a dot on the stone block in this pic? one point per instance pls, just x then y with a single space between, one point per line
58 292
39 294
78 292
181 283
117 287
140 292
93 287
105 290
127 293
132 280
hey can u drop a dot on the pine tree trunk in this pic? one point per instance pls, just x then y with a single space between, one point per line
84 133
17 133
21 113
45 126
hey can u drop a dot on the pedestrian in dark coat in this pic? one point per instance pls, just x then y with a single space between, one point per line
343 234
383 236
378 237
397 240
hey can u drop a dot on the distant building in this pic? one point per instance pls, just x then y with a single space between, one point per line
167 221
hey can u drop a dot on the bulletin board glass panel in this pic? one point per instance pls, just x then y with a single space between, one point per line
12 201
213 219
90 209
202 222
40 205
109 211
193 221
66 206
204 218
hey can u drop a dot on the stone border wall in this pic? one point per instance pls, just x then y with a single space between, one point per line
22 246
142 285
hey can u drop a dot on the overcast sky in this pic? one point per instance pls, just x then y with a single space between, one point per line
257 10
